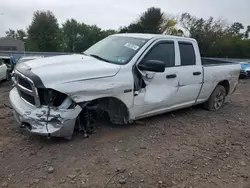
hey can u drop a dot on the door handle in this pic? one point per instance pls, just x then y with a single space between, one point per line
171 76
196 73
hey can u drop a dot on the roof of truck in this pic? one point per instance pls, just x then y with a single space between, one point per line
150 36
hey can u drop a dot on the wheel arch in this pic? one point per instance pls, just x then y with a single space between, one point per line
116 108
225 84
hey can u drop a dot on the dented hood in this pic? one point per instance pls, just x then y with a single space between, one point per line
69 68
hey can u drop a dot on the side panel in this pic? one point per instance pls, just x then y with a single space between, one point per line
120 86
189 85
215 74
159 92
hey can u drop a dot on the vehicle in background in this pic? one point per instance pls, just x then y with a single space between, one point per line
28 58
245 69
128 76
10 62
3 70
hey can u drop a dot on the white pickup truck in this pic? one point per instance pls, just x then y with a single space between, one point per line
129 76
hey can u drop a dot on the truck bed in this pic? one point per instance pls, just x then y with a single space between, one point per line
216 71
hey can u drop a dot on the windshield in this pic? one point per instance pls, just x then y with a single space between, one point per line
116 49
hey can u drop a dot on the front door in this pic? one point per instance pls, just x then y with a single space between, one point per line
159 88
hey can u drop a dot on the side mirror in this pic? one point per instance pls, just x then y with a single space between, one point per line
152 65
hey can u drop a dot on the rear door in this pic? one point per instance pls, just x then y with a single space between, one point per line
190 73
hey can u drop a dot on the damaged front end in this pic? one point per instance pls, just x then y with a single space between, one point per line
50 119
51 113
41 110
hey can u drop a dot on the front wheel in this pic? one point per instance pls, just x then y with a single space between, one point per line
217 99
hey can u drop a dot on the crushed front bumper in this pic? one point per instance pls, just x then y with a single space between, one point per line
59 122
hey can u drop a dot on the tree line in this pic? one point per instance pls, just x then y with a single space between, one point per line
216 37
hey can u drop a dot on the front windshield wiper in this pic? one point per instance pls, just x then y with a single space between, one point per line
100 58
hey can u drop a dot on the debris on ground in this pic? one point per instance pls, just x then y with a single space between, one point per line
187 148
50 170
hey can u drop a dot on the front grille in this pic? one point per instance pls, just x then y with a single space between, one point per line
26 89
24 83
248 73
30 99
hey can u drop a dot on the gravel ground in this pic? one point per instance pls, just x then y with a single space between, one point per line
187 148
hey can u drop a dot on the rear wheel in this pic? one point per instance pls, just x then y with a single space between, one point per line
217 99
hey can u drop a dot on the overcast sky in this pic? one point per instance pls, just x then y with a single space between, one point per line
17 14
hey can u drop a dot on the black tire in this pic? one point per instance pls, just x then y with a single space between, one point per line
216 99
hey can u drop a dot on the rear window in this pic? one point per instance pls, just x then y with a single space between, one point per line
187 53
